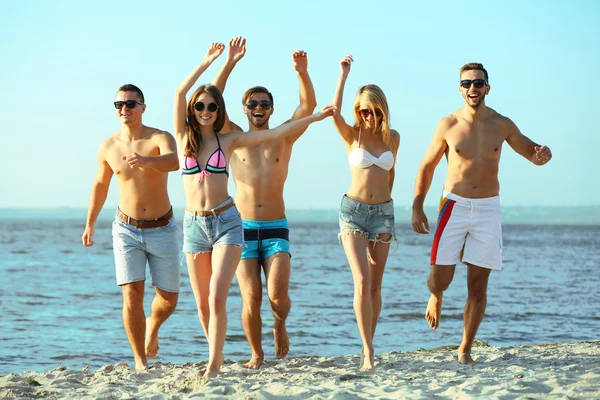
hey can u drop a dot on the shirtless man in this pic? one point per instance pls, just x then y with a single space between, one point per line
144 227
469 226
259 173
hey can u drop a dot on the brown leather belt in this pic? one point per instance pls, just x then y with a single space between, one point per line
145 223
215 211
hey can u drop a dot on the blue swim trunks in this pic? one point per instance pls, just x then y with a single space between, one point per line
265 238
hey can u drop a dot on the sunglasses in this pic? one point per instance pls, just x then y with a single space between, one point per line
264 104
478 83
211 107
128 104
366 112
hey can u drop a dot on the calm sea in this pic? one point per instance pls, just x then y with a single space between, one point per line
60 305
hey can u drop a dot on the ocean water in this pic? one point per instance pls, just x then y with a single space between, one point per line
60 305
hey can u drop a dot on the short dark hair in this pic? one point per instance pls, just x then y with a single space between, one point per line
132 88
256 89
474 66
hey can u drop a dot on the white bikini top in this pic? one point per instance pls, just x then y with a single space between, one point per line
361 158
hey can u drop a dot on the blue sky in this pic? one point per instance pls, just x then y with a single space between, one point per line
62 62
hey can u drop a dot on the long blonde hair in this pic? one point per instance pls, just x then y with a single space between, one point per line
376 99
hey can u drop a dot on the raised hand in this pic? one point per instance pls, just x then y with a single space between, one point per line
345 64
214 51
300 60
135 160
87 236
542 154
325 112
237 49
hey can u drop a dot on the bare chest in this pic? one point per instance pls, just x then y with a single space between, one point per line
121 149
475 141
263 156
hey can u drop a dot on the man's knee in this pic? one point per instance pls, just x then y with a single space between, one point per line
440 278
168 299
252 301
477 289
133 294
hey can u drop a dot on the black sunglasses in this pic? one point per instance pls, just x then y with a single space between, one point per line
211 107
128 104
478 83
264 104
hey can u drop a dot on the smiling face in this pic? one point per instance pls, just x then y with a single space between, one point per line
474 96
205 117
128 115
258 109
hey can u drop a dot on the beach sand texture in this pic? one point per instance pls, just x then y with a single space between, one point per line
560 370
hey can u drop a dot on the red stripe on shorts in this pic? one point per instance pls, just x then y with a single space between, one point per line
445 210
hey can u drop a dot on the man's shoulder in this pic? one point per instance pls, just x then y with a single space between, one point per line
155 132
449 121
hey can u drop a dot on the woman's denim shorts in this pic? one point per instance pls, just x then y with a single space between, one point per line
367 220
200 234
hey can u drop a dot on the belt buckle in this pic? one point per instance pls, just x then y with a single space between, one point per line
214 212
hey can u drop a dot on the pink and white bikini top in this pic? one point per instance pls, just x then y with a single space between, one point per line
216 163
361 158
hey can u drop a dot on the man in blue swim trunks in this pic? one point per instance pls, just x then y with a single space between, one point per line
260 173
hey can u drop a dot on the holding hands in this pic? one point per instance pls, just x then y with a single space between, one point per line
327 111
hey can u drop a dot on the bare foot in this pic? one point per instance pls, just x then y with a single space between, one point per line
367 360
434 311
465 358
141 365
255 362
151 341
282 341
212 369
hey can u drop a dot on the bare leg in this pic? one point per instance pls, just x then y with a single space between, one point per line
477 281
225 259
134 321
439 279
163 306
200 271
378 254
277 271
356 252
248 276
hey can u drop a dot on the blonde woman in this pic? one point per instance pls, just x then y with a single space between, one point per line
212 226
367 209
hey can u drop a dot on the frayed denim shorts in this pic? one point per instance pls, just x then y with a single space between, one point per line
367 220
200 234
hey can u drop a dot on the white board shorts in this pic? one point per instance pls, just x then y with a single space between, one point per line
468 231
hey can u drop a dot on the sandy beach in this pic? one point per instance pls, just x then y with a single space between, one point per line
559 370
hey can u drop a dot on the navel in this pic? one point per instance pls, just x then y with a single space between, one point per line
457 150
277 160
496 149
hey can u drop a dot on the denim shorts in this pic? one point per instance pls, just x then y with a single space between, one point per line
367 220
265 238
158 246
200 234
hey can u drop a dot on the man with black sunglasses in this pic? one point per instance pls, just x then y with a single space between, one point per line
260 173
144 228
469 226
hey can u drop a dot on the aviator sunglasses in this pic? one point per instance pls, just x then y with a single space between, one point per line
478 83
366 112
264 104
211 107
128 104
